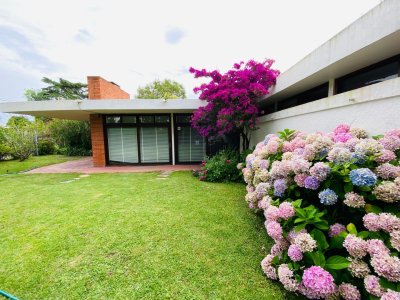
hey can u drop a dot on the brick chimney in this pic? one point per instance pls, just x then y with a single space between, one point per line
100 89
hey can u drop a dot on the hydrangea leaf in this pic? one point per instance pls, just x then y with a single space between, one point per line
337 262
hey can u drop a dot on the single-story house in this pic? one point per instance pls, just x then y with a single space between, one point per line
353 78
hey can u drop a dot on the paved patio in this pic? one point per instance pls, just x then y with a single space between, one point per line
85 166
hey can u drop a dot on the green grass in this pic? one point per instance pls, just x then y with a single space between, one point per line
130 236
13 166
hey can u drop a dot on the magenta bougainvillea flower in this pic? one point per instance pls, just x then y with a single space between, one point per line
232 98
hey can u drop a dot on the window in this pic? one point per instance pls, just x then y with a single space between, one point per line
154 144
385 70
129 119
190 145
138 138
310 95
113 119
122 145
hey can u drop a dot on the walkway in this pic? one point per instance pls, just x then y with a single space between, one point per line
85 166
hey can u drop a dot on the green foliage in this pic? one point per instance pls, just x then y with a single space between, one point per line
5 149
58 90
72 137
222 167
287 134
166 89
337 262
20 137
46 147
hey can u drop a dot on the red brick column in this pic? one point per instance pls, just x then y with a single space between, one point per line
99 88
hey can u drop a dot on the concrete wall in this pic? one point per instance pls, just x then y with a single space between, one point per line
375 108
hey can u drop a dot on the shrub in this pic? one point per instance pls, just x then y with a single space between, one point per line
222 167
72 137
46 147
21 140
5 150
331 203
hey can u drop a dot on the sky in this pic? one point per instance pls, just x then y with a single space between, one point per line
134 42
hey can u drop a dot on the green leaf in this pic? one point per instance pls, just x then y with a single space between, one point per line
319 236
364 188
301 212
351 228
300 227
337 242
369 208
299 220
387 284
323 225
318 258
363 234
337 262
348 187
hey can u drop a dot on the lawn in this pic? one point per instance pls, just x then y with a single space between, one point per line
14 166
130 236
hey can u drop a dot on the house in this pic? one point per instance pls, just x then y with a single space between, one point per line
352 78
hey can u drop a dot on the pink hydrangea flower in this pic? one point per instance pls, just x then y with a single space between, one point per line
336 229
349 292
356 246
274 230
386 266
266 266
391 295
294 252
286 210
373 286
318 282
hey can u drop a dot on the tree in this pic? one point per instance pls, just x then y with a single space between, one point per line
20 137
58 90
166 89
73 137
232 99
5 149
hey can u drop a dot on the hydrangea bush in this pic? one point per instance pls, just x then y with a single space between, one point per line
331 204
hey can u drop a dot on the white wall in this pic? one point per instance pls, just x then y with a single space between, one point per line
375 108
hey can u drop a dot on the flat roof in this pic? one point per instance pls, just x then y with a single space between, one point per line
372 38
82 109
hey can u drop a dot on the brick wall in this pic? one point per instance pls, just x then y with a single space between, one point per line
99 88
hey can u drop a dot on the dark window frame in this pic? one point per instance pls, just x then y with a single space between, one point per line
137 125
381 63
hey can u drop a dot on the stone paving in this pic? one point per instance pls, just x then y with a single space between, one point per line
85 166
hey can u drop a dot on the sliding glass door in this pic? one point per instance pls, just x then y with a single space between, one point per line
122 145
138 139
154 143
190 145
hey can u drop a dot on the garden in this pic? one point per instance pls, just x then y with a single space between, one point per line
331 205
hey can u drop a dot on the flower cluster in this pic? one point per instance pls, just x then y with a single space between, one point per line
232 97
331 207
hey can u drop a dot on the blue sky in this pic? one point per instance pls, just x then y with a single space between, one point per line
135 42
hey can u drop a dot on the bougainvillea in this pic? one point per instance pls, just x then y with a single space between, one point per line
331 203
232 98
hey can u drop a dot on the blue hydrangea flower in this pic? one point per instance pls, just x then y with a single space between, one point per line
311 183
358 158
327 197
363 177
279 187
267 138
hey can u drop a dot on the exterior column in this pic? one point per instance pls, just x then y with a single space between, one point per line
173 139
331 87
97 135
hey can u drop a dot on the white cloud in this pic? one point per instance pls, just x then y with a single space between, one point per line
126 41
